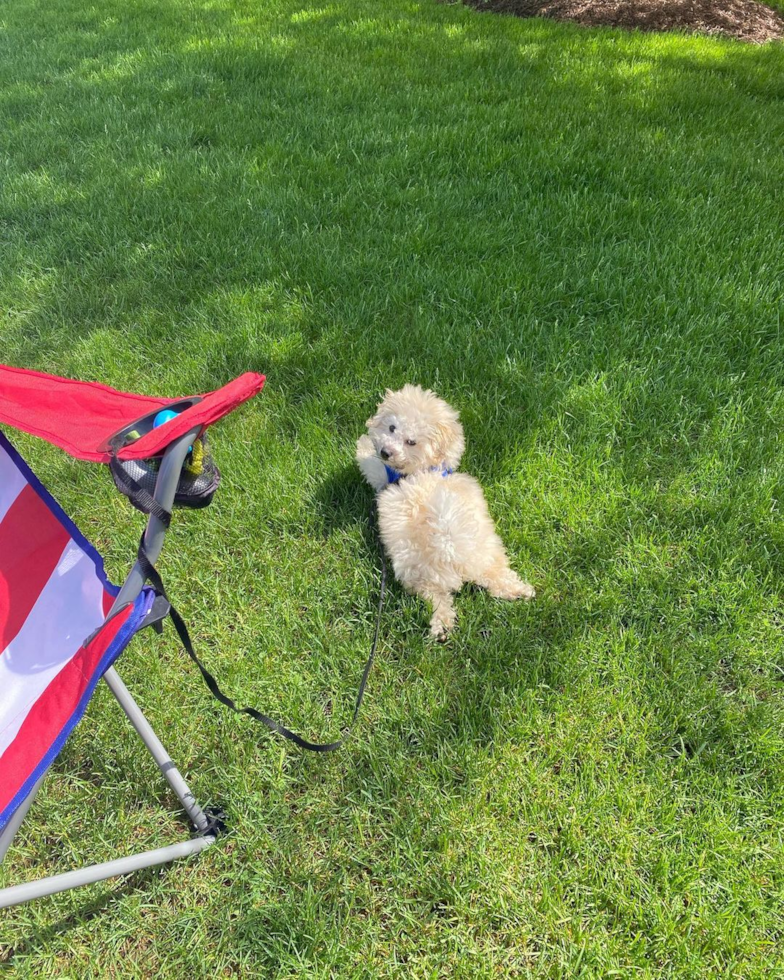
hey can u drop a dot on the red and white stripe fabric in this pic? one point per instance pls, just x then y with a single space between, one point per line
54 596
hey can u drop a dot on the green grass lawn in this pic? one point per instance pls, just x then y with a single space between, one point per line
574 236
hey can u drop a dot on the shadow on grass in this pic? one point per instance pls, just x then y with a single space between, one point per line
15 952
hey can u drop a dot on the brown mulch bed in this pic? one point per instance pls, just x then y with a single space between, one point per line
745 20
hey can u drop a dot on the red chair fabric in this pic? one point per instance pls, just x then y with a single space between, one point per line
81 416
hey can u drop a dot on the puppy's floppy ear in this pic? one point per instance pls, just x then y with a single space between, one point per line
448 438
445 433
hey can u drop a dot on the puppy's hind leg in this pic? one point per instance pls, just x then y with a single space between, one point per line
504 583
444 616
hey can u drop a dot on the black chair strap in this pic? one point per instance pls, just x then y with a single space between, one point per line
139 497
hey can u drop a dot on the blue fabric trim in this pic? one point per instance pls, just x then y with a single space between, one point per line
393 476
141 607
60 514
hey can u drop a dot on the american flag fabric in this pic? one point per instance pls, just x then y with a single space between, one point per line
54 642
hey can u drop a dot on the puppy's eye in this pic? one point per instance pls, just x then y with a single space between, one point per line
411 442
392 428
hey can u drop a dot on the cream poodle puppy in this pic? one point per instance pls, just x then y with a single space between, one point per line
433 521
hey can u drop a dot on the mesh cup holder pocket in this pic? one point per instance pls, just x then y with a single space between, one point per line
199 479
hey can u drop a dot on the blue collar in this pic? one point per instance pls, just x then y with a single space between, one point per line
393 476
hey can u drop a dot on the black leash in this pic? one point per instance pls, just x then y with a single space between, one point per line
151 573
147 503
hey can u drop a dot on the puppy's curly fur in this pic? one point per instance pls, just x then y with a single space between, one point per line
434 522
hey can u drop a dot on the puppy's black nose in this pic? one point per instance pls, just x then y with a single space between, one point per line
385 454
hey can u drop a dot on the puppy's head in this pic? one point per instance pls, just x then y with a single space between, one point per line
414 430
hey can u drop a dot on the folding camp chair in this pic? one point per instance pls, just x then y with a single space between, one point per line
62 623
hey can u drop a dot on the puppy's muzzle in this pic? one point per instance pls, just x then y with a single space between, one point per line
385 454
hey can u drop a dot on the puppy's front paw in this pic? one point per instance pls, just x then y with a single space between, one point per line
371 466
365 448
